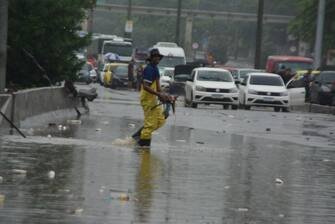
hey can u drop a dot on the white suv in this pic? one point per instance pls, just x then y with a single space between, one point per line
264 89
211 86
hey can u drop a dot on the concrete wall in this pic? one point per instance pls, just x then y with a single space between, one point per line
32 102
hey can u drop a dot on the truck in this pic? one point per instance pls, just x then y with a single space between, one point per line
173 55
278 63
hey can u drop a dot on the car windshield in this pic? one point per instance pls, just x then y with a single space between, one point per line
244 73
215 76
295 66
328 77
171 61
120 70
121 50
266 80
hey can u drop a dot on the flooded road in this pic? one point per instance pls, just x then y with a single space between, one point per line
205 166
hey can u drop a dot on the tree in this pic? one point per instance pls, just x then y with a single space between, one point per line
304 26
42 39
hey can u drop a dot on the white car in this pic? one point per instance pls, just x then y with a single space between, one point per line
165 80
211 86
265 90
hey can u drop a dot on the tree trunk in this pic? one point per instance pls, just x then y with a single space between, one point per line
3 42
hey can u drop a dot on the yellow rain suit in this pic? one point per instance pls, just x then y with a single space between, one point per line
153 114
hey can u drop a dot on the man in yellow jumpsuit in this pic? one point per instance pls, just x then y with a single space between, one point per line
150 94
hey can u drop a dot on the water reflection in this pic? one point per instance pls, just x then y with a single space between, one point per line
145 185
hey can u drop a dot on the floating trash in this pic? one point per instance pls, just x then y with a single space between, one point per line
279 181
131 125
19 172
78 211
200 143
180 140
51 174
74 121
268 129
242 209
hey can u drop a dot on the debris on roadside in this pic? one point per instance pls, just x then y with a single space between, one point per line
98 129
268 129
128 141
200 143
52 124
279 181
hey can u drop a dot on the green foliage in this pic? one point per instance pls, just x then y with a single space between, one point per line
304 26
47 29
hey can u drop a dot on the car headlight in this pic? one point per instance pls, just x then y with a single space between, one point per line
233 90
250 91
284 93
200 88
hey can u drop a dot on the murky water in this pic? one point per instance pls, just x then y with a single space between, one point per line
189 176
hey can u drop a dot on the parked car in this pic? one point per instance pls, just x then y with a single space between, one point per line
241 73
323 88
182 73
108 73
119 76
296 90
165 78
87 74
264 89
211 86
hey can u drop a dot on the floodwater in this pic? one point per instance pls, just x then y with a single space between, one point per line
190 175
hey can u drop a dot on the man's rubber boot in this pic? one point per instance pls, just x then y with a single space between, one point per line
137 135
145 143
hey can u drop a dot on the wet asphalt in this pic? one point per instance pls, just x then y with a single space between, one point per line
206 165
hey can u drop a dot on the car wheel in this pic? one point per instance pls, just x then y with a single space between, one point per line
285 109
194 105
185 102
225 106
247 107
276 109
234 107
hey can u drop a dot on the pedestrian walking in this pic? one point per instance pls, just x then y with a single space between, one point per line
151 94
131 65
307 78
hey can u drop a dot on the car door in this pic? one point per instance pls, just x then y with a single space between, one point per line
189 87
296 90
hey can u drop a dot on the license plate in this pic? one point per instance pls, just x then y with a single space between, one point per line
217 96
268 99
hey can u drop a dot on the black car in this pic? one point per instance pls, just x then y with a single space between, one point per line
120 76
323 88
181 74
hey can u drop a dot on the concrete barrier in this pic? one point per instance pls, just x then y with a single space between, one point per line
29 103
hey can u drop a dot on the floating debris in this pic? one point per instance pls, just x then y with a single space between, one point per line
242 209
279 181
268 129
78 211
51 174
74 121
19 172
131 125
200 143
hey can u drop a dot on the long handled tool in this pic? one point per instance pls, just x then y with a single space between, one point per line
12 124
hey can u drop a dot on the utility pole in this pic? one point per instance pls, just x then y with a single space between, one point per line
129 23
3 42
178 23
319 34
259 34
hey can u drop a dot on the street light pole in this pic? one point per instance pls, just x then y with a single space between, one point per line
319 34
178 23
3 42
259 34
